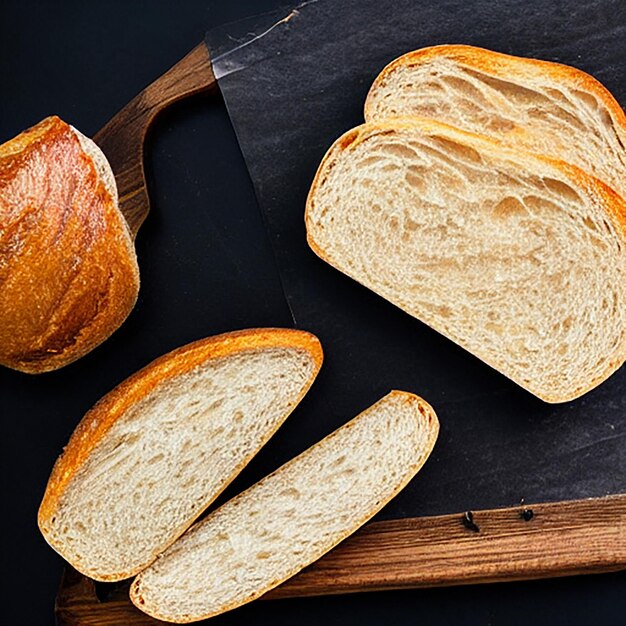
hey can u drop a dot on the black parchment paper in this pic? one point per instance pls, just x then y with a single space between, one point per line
294 81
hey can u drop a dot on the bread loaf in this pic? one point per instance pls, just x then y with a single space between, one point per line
542 107
293 516
519 259
68 269
148 458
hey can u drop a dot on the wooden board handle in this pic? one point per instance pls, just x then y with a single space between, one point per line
559 539
122 139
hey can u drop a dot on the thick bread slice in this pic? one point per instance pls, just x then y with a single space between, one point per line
543 107
157 450
521 260
293 516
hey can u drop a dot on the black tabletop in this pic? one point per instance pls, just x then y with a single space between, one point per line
291 88
84 61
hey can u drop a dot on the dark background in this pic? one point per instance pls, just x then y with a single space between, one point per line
297 86
84 61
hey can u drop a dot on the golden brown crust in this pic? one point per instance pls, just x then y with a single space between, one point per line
605 196
430 417
68 269
99 419
505 66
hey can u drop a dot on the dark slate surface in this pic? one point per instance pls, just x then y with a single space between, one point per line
292 86
205 269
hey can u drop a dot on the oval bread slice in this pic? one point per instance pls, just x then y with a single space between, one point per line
292 517
157 450
521 260
543 107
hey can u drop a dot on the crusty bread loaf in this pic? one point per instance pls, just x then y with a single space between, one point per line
543 107
68 269
157 450
105 173
519 259
293 516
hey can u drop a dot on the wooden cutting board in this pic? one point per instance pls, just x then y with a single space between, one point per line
520 543
531 540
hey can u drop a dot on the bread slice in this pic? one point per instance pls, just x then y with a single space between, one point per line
68 269
519 259
293 516
543 107
157 450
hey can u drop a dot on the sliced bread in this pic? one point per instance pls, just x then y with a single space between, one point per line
157 450
543 107
293 516
519 259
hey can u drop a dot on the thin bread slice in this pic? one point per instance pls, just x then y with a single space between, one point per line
543 107
157 450
293 516
521 260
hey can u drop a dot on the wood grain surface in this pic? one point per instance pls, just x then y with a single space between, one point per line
517 543
122 138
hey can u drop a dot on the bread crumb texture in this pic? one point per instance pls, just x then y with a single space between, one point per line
293 516
519 259
542 107
154 453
